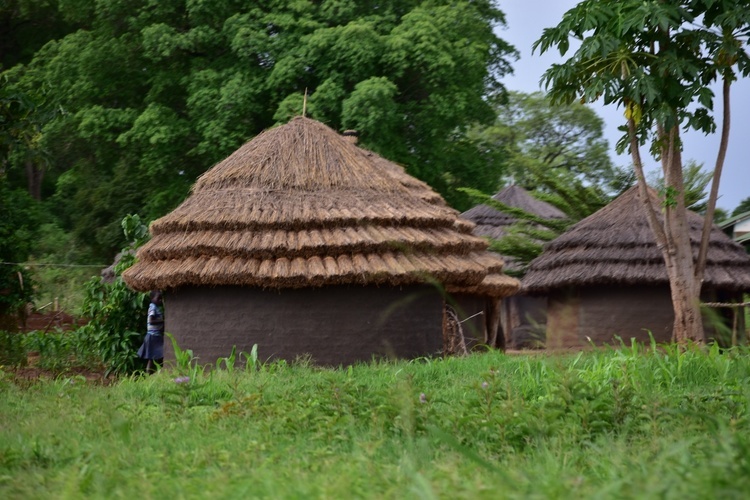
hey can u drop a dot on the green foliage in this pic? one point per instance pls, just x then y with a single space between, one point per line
743 207
55 261
117 320
60 352
55 352
153 94
580 425
136 232
696 181
618 63
17 231
12 350
541 138
27 26
117 314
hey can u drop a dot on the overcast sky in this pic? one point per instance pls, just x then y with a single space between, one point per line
526 20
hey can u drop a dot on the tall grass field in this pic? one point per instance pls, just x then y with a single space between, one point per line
626 423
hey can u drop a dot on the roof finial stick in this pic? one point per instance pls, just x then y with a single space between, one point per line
304 103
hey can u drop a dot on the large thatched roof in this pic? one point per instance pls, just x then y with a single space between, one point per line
494 223
615 246
301 206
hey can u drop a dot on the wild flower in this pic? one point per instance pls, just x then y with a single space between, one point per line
182 380
422 398
485 385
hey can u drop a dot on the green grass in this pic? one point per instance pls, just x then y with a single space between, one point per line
627 423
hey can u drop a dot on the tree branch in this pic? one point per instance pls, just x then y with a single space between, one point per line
671 171
700 265
661 238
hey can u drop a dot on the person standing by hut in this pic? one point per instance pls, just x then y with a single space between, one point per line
152 349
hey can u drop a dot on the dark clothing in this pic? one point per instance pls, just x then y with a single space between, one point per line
152 348
153 343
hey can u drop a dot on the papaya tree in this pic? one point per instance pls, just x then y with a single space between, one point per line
657 60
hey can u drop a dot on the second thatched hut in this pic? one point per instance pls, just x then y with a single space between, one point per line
298 242
605 277
522 317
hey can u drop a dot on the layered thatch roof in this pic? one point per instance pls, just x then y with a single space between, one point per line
494 223
616 246
301 206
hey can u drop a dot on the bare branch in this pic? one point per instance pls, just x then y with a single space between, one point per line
661 238
700 265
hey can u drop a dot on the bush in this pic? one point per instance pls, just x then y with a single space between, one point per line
17 226
12 351
116 313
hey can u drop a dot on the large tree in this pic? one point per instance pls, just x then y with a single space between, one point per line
537 136
656 59
152 93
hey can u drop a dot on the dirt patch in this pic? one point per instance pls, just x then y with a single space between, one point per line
50 321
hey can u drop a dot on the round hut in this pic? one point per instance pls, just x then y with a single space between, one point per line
522 317
301 243
605 277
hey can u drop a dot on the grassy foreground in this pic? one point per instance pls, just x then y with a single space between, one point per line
614 424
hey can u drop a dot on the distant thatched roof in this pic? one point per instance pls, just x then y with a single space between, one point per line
493 223
615 246
300 206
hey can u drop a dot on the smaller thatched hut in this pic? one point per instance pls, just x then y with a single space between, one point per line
606 278
522 317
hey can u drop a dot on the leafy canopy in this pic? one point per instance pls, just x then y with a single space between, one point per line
154 93
656 59
536 135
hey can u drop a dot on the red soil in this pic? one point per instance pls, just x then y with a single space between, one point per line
50 321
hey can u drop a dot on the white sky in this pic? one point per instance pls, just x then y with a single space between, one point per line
525 21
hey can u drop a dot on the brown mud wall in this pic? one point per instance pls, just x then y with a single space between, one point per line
598 315
523 321
334 325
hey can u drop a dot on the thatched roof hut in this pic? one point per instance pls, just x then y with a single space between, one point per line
605 276
494 223
298 216
522 318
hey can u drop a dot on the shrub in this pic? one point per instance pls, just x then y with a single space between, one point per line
116 313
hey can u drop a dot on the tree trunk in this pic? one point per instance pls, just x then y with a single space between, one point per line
34 177
685 289
672 236
688 323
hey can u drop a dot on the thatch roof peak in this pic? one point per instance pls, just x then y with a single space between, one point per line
302 155
300 205
494 221
518 197
615 246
